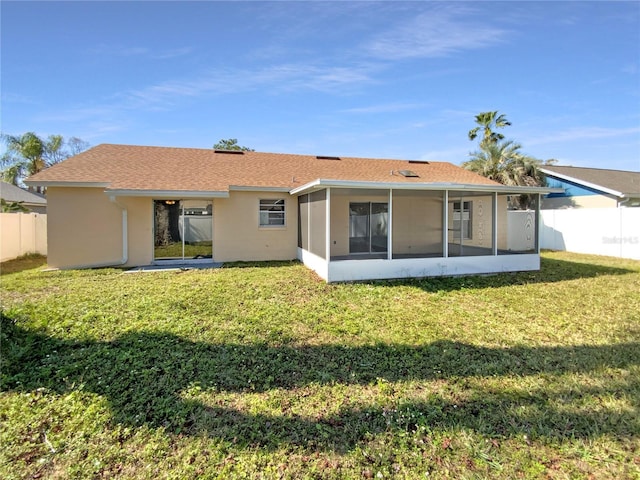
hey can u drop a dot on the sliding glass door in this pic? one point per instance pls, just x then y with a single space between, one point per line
183 229
368 227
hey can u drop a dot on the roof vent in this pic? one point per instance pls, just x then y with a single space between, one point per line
422 162
408 173
324 157
232 152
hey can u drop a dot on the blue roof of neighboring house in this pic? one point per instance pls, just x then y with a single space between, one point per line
11 193
580 181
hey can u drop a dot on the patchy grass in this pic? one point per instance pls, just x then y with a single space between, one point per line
25 262
264 371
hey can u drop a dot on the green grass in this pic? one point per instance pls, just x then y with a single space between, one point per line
191 250
264 371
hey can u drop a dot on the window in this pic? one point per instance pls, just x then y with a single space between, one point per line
272 213
462 220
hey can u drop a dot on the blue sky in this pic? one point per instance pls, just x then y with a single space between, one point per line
388 79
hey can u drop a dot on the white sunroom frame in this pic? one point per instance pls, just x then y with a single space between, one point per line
348 270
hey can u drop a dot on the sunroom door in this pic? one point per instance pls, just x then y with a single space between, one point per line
368 227
183 229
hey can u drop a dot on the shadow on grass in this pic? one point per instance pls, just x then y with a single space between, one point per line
144 377
20 264
551 271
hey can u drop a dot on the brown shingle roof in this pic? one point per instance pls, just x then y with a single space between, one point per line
188 169
625 182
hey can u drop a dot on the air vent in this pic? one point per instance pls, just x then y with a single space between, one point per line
323 157
421 162
408 173
232 152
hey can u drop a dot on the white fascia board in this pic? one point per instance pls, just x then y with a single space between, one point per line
247 188
321 183
551 173
54 183
166 193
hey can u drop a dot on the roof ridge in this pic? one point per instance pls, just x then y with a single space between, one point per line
551 167
253 153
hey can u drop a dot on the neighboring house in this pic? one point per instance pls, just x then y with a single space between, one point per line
31 201
591 188
346 218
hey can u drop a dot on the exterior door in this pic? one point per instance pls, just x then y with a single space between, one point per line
183 229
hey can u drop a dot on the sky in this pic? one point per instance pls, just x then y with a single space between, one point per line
368 79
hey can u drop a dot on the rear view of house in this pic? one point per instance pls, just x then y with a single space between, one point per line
346 218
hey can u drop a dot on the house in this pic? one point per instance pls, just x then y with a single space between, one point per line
591 188
346 218
31 201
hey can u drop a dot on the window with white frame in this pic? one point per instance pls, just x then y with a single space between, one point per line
462 225
272 213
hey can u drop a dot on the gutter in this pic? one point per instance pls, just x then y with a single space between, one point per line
435 186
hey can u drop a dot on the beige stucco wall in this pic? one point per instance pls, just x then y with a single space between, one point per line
238 236
84 228
139 229
586 201
503 230
417 223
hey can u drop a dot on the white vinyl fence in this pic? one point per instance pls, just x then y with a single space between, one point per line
613 232
521 234
22 233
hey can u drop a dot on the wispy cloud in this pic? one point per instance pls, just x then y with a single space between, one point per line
385 108
118 50
437 33
138 51
11 97
165 95
278 78
583 133
172 53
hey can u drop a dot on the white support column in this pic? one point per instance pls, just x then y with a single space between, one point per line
494 227
328 225
309 222
390 227
537 223
445 225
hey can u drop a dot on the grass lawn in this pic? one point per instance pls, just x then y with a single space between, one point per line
264 371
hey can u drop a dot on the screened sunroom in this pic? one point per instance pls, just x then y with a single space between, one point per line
352 231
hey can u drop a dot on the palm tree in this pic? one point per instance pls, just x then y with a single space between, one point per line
503 162
27 154
487 122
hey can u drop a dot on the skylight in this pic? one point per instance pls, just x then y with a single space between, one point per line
233 152
408 173
324 157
